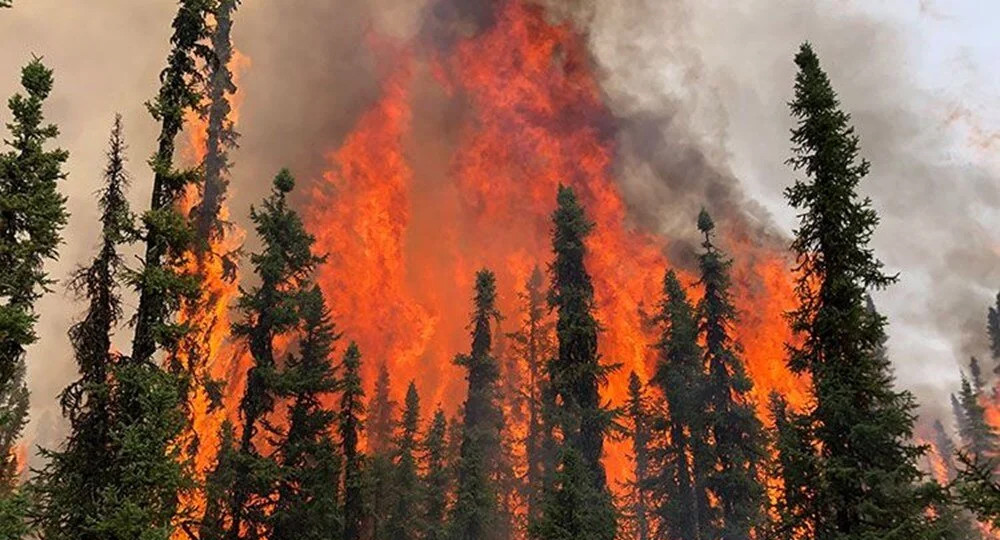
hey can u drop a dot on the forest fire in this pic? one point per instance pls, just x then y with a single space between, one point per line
405 238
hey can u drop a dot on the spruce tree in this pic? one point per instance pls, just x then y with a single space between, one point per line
32 216
70 495
436 481
993 330
533 344
795 465
352 410
475 513
867 473
737 435
976 372
945 448
405 519
980 440
162 289
676 485
269 310
577 503
961 420
638 411
381 425
308 505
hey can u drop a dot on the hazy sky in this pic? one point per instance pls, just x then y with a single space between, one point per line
918 75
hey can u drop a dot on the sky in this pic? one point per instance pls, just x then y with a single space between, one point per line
918 76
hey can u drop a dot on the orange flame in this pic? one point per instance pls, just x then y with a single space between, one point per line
404 243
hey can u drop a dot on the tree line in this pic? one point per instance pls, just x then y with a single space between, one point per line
310 455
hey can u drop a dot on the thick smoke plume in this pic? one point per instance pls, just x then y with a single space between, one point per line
697 90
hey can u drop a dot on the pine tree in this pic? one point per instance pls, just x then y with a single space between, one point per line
308 505
405 520
475 513
676 485
436 482
70 494
993 330
533 344
381 425
736 433
352 410
577 503
271 309
638 411
32 216
867 474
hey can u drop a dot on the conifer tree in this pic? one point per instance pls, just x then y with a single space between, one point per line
381 425
436 481
308 505
867 473
168 235
219 485
577 504
945 447
475 513
352 410
796 466
980 439
533 344
32 216
976 372
405 519
271 309
71 497
961 421
638 411
993 331
737 435
677 485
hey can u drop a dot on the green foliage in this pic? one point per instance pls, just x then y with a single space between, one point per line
737 436
677 483
577 501
475 514
352 410
307 506
533 344
405 520
866 479
437 480
639 412
32 216
979 439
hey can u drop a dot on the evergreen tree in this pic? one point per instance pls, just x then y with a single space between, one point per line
475 513
976 371
381 425
352 410
737 435
221 132
533 344
993 330
676 485
867 473
577 503
637 408
405 519
219 484
945 448
271 309
70 494
162 289
961 421
795 465
436 481
308 505
979 438
32 216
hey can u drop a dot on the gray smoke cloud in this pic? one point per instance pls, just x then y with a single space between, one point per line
698 89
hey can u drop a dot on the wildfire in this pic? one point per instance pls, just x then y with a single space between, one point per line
405 238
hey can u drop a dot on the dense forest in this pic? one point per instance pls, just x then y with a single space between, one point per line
306 450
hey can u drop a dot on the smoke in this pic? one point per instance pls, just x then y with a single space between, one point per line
697 88
701 89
